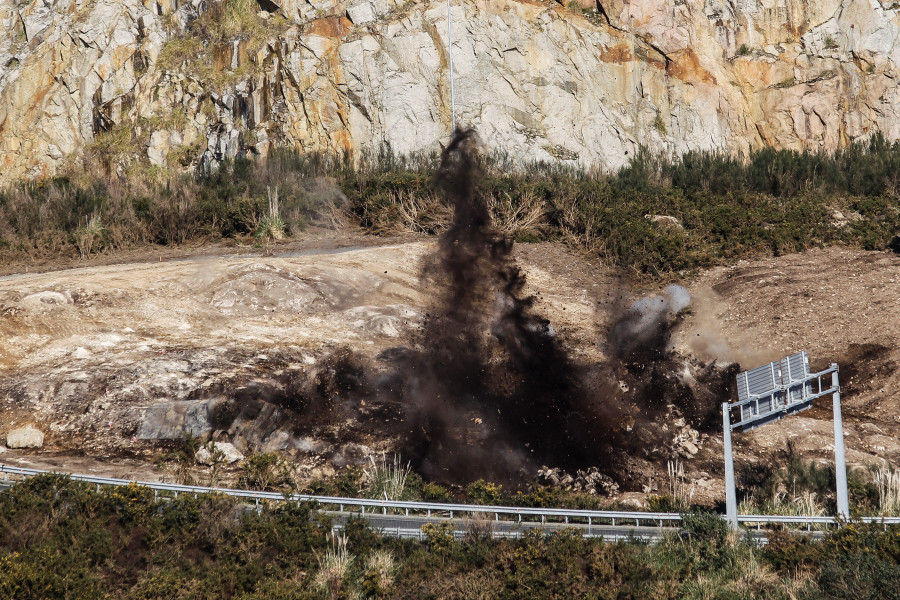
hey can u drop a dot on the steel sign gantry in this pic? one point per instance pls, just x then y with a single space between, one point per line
770 393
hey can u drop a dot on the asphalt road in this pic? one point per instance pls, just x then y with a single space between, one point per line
411 526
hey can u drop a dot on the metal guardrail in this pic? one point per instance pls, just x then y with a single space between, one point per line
438 509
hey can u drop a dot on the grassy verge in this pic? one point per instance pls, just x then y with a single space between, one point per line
655 219
62 539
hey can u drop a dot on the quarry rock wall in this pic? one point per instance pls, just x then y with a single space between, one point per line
585 83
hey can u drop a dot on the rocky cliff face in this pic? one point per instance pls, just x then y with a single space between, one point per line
135 81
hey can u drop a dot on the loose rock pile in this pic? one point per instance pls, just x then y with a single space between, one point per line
591 481
687 441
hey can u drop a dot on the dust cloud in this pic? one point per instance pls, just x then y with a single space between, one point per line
490 390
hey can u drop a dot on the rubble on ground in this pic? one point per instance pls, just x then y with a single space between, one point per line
590 481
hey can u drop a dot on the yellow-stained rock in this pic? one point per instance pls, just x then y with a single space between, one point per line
539 80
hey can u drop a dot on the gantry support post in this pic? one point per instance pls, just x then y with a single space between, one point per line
840 462
730 492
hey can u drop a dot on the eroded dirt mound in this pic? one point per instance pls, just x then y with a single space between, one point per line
842 306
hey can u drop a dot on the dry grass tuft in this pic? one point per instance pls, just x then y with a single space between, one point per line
469 586
479 526
379 573
415 212
334 566
88 234
386 479
271 225
527 216
887 481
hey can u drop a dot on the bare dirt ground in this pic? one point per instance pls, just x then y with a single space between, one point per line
109 360
842 306
114 362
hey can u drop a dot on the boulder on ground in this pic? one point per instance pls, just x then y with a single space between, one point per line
222 452
25 437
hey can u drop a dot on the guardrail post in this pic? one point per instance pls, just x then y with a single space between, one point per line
589 526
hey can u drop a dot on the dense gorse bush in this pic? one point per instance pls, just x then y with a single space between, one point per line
654 218
63 539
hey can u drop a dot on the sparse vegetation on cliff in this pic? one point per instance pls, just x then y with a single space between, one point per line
218 47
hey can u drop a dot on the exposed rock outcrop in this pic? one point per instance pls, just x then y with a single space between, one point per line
539 80
591 481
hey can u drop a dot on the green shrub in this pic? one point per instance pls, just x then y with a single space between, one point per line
790 552
859 577
706 526
772 203
439 537
47 572
855 538
267 471
349 483
63 539
538 496
482 492
433 492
